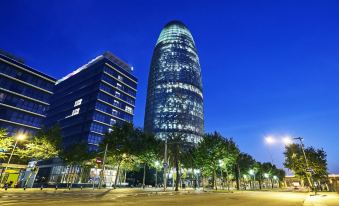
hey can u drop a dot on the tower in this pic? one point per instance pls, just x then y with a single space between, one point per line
174 96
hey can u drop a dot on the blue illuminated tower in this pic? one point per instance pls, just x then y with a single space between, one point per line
174 96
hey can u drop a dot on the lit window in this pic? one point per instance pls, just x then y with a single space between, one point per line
129 109
120 77
117 93
119 85
75 111
112 122
114 112
116 102
78 102
110 130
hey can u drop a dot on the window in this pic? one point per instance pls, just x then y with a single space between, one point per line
75 111
129 109
2 97
116 103
112 122
78 102
114 112
119 85
117 94
120 77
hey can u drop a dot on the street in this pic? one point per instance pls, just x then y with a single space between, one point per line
138 197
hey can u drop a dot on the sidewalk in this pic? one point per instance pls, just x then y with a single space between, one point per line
322 199
90 190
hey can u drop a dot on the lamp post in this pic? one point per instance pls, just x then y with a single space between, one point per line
252 173
287 141
197 172
306 161
165 165
20 137
270 140
221 163
156 164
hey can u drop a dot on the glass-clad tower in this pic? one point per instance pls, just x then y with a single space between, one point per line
174 96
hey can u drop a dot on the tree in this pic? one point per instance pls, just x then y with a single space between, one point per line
211 150
230 160
295 161
178 147
44 145
6 144
120 143
74 155
146 149
268 171
280 173
244 163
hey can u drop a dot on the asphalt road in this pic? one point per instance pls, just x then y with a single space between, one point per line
113 198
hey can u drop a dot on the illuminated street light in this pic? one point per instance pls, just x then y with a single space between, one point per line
287 140
221 163
266 175
19 137
269 140
156 163
275 177
251 172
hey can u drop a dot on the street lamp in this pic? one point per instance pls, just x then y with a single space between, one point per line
156 164
221 163
287 140
19 137
266 175
269 140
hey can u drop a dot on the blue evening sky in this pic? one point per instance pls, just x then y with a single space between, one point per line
269 67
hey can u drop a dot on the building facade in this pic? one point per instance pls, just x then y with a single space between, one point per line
88 101
174 96
24 96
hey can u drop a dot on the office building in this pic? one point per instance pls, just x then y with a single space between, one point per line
174 96
24 96
88 101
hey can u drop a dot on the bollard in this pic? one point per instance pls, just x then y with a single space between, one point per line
69 187
42 187
25 187
81 187
56 187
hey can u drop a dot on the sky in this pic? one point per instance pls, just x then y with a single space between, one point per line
268 67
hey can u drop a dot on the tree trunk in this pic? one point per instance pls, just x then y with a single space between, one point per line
117 175
177 172
144 177
202 182
237 176
68 175
215 180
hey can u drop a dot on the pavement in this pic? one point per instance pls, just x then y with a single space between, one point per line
152 197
